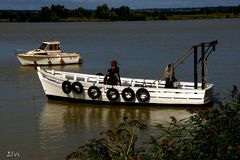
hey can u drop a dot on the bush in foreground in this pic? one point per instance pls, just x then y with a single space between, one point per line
118 143
212 133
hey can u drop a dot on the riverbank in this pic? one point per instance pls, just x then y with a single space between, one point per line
202 16
166 17
58 13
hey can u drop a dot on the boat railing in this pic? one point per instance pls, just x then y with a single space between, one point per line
131 82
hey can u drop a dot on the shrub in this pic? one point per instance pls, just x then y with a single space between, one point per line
118 143
212 133
208 134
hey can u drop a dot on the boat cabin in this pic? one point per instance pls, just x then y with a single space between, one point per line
50 46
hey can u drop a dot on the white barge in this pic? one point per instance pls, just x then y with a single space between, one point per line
88 87
78 86
48 53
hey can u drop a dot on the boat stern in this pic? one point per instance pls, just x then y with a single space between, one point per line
208 94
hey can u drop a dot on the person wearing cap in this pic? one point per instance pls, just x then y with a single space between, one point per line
113 77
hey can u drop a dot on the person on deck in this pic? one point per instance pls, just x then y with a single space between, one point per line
170 76
112 77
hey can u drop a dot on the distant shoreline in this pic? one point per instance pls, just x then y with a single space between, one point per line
169 18
58 13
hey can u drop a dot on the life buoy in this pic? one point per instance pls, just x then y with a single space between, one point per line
142 95
77 87
112 94
66 87
94 92
128 94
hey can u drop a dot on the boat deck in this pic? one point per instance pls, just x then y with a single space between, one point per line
183 94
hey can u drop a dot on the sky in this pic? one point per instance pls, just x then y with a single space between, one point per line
133 4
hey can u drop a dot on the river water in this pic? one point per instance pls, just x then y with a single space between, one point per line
33 127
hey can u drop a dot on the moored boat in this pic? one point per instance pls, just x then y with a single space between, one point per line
87 87
49 53
92 88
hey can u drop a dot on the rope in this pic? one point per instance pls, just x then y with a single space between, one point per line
177 62
188 53
183 57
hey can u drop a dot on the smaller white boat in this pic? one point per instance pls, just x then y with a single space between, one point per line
48 53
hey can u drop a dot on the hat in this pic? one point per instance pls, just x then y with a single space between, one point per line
114 63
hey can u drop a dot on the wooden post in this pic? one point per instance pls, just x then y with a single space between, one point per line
195 68
203 66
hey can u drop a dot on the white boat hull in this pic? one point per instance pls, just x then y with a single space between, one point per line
184 94
47 60
48 53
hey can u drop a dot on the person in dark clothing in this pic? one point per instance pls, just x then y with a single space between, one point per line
112 77
170 77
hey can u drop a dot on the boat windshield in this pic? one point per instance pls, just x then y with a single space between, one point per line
43 46
50 47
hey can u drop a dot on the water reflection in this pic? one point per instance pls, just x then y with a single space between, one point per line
60 117
65 125
87 116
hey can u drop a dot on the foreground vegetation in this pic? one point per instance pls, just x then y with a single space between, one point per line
212 133
58 13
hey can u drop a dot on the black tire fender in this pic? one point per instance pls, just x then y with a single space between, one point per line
66 87
77 87
112 94
143 95
128 94
94 92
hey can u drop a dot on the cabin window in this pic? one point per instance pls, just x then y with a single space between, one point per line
43 46
54 47
48 47
41 53
51 47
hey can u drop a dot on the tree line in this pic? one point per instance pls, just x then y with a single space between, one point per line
58 13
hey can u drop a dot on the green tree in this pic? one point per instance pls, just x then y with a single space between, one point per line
113 16
80 12
102 12
60 11
123 12
137 16
47 15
